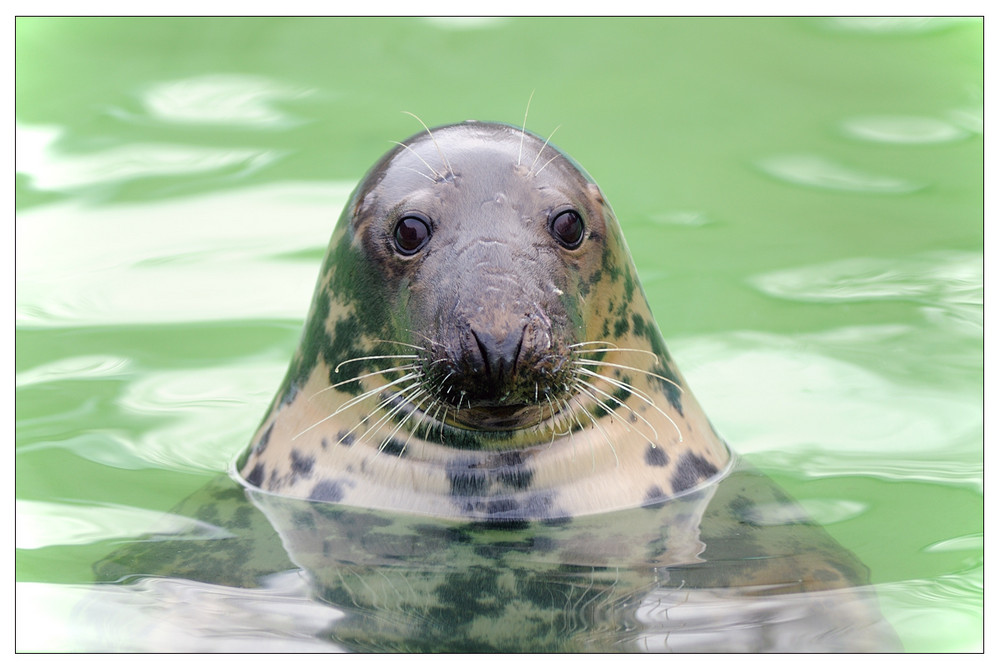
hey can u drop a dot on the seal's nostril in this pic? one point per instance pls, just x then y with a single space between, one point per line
484 352
499 353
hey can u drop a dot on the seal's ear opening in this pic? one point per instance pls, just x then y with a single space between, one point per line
595 192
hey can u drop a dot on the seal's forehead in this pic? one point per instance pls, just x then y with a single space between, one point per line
451 149
473 158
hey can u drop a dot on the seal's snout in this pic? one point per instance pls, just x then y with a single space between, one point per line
490 362
499 354
495 361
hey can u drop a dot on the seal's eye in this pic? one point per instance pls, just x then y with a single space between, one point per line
567 228
411 234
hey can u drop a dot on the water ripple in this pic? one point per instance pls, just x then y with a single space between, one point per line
682 218
51 170
902 129
222 99
203 416
820 172
794 397
43 524
223 256
75 368
892 25
948 285
174 615
931 612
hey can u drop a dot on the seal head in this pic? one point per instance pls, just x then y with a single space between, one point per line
479 345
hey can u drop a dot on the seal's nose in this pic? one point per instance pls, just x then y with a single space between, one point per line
499 353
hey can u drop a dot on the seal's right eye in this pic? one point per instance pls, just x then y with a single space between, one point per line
411 234
568 229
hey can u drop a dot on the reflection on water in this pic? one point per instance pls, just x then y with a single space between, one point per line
949 285
227 99
226 244
902 129
734 566
121 163
821 172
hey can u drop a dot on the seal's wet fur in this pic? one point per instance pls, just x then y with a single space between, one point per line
503 362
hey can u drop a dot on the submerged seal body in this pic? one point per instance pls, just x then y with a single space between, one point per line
479 346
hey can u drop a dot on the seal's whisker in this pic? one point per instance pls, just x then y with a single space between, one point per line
431 135
591 343
542 149
369 393
618 350
552 416
603 431
399 343
380 372
523 127
433 418
618 401
565 412
437 176
638 393
354 401
413 429
417 171
632 389
593 455
409 399
628 368
546 164
336 369
383 404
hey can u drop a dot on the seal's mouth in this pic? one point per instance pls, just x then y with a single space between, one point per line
499 417
482 416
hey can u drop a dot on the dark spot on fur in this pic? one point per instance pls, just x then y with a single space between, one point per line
264 439
537 506
256 476
691 470
606 328
656 456
345 438
327 490
302 464
654 497
502 506
509 470
622 394
638 324
621 326
394 447
467 481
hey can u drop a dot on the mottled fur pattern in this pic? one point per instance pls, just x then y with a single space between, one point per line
598 420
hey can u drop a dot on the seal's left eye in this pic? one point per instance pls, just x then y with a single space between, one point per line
567 228
411 234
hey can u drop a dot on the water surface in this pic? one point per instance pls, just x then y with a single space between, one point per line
803 200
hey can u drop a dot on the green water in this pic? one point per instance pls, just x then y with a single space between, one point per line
803 200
